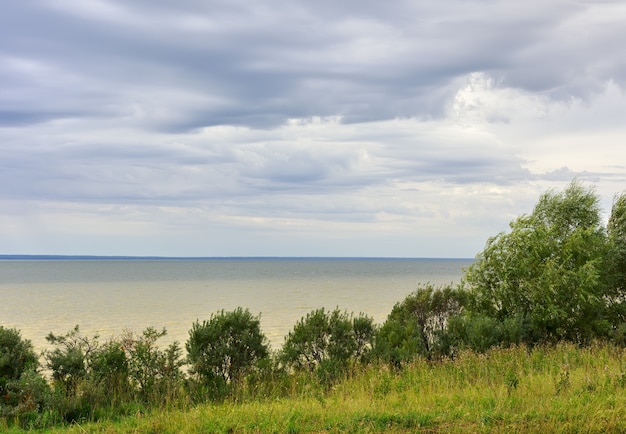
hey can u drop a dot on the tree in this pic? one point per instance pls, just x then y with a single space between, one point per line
222 350
617 236
549 271
616 297
327 341
417 325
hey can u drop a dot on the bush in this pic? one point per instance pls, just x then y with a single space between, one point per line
23 390
69 361
326 342
417 325
156 374
480 333
222 350
110 373
26 398
75 395
89 376
16 357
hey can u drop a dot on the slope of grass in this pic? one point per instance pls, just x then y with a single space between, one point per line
563 388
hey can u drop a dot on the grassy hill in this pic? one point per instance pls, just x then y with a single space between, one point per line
562 388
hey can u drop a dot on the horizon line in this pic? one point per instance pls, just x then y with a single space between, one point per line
158 257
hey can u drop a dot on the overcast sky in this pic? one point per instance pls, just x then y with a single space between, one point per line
300 128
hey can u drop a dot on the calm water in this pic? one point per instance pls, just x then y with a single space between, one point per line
111 296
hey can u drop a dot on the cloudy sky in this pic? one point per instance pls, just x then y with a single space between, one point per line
300 128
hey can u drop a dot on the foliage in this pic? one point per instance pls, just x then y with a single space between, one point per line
23 390
554 388
480 332
222 350
557 276
79 374
156 374
365 332
549 271
25 399
69 361
88 375
616 229
16 356
110 371
417 325
327 341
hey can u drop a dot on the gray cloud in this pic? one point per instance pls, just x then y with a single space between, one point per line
260 65
294 116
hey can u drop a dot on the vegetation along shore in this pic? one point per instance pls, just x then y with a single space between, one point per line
532 340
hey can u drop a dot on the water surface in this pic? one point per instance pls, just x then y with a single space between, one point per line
111 296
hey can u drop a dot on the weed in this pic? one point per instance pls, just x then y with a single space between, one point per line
564 381
511 380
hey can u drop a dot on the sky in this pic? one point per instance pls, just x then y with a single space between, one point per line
300 128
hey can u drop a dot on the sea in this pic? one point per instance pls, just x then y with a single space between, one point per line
113 296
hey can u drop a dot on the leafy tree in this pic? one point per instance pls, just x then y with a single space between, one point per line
617 259
327 341
222 350
417 325
549 271
156 374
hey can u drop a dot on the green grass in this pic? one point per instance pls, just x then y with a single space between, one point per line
563 388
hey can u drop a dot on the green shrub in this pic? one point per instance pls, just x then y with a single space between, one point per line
16 357
326 342
480 332
417 326
156 374
110 373
24 399
364 334
90 377
222 350
24 392
69 361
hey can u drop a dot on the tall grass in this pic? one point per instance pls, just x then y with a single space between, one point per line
563 388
